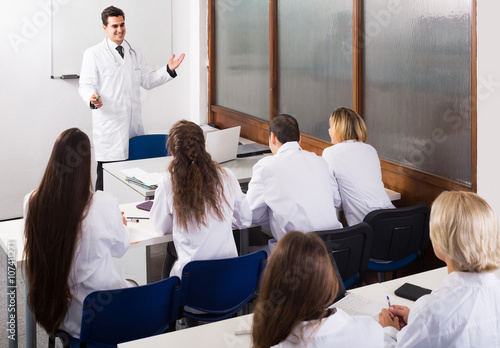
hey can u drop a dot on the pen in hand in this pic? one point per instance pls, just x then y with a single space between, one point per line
388 301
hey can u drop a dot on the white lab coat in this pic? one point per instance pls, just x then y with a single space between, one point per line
213 241
103 237
356 168
463 311
119 118
293 191
338 330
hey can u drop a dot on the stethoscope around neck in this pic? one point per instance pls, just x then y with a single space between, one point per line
130 50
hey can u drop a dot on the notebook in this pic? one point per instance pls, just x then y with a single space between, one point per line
354 304
222 145
145 205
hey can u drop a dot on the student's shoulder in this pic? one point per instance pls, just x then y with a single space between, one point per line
101 199
96 49
266 161
228 175
165 184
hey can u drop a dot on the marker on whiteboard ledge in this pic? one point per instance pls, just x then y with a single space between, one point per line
72 76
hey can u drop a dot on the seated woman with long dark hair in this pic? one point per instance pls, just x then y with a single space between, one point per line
292 310
198 201
71 234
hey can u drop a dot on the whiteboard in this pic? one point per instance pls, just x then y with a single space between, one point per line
77 25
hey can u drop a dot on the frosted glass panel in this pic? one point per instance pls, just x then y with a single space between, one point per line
242 56
417 84
315 61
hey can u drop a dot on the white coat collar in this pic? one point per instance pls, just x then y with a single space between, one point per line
469 279
350 141
289 146
112 44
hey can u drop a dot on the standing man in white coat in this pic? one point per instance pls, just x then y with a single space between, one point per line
112 73
292 190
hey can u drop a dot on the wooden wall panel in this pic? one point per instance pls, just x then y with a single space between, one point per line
414 185
251 127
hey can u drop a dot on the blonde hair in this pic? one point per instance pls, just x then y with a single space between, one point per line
464 227
348 125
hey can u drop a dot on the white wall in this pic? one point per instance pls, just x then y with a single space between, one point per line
488 102
36 109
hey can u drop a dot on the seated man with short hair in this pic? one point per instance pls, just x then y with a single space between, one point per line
294 189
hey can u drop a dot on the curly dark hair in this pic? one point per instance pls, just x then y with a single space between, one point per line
196 179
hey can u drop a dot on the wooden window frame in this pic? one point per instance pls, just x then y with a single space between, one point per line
415 185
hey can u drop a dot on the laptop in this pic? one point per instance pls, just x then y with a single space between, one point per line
354 304
222 145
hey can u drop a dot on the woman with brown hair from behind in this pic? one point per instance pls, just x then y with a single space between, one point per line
298 286
72 234
198 202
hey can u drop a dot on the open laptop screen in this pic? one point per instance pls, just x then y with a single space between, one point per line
222 145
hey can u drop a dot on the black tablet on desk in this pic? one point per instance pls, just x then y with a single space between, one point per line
253 149
411 292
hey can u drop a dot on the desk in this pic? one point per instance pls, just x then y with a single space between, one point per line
221 334
135 264
114 179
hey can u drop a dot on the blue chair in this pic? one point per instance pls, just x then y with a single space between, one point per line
147 146
350 248
399 237
220 288
115 316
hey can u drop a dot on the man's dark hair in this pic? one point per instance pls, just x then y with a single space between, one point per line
285 128
111 11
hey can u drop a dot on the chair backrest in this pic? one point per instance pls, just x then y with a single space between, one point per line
400 232
220 288
147 146
114 316
350 247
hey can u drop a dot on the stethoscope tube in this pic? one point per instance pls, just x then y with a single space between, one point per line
130 50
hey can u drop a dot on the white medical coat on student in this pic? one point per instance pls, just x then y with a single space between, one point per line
462 312
103 237
118 84
213 241
338 330
293 190
356 168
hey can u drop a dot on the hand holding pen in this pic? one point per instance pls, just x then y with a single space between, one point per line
96 100
395 316
401 312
